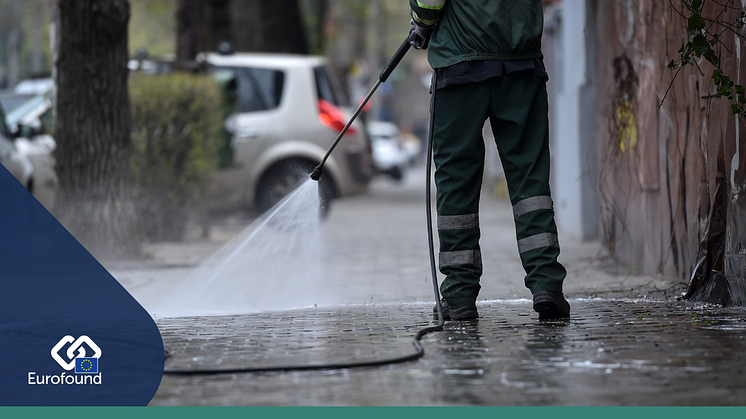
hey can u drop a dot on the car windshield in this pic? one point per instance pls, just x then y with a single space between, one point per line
259 89
25 107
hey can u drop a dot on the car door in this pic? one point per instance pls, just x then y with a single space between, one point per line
258 95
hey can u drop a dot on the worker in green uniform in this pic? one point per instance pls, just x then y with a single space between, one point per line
487 59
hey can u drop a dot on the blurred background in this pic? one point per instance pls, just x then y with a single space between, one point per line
172 41
147 115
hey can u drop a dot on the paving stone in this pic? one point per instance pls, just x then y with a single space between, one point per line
611 352
629 341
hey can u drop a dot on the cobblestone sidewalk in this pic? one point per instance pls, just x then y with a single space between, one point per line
611 353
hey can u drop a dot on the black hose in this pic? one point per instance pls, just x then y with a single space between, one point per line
428 201
420 351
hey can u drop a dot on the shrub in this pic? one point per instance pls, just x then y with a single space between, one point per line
175 120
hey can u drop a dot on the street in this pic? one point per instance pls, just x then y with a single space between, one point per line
629 341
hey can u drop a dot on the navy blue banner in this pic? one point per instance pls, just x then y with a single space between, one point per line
71 335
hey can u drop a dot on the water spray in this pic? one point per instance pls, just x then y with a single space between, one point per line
315 175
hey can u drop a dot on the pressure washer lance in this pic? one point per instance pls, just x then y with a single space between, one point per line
403 48
315 176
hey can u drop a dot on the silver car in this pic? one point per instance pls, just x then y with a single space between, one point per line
16 163
27 147
289 111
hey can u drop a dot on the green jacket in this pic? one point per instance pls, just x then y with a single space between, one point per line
471 30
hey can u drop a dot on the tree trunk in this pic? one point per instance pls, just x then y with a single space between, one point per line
93 126
201 25
186 30
268 26
316 13
10 23
250 25
37 57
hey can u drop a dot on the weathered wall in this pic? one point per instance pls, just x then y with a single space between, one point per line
658 166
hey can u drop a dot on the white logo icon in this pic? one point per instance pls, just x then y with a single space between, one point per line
76 345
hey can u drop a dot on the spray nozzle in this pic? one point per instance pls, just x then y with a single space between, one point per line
316 174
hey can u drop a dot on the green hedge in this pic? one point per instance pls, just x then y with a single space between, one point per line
175 120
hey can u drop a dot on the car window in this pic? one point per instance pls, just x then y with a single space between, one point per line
259 89
327 87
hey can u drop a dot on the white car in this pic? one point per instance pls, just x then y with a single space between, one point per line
34 86
26 147
389 154
16 163
289 112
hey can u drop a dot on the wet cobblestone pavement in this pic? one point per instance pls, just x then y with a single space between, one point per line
610 353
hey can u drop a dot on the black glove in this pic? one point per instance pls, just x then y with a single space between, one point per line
419 36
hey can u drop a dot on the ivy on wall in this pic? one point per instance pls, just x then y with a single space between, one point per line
704 40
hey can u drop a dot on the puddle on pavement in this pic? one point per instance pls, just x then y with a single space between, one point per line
611 352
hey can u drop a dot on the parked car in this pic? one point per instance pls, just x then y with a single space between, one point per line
34 86
412 148
288 113
16 163
390 157
26 145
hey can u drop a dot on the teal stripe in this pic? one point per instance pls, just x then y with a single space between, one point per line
374 412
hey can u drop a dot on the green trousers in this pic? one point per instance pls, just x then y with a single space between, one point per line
516 106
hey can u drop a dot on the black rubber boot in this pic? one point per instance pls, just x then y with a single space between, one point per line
467 312
551 305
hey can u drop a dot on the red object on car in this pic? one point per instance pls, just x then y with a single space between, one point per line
333 118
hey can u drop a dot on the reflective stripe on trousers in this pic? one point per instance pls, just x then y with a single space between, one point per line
458 222
536 241
461 257
534 203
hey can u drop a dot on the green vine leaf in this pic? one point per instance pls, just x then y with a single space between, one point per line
696 23
699 43
703 44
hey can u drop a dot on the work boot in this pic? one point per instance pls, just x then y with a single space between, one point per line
551 305
467 312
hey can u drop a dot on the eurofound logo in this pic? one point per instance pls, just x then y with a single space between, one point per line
85 367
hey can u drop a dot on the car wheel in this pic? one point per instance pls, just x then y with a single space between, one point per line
284 177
